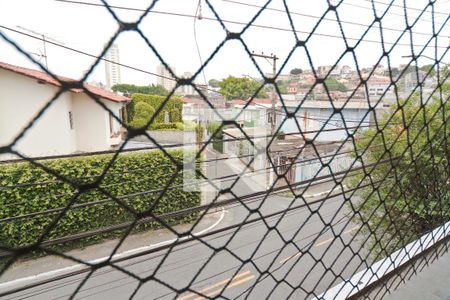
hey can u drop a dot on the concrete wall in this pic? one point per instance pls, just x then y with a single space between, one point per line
21 98
314 168
168 136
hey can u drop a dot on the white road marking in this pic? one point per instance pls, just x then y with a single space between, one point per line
101 259
290 257
210 287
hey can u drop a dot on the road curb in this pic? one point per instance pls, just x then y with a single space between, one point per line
48 274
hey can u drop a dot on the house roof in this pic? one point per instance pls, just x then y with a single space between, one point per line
380 80
202 103
254 101
43 77
252 132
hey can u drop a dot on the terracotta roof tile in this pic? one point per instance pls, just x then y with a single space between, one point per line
46 78
255 101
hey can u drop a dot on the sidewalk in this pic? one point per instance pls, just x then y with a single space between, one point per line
431 283
139 241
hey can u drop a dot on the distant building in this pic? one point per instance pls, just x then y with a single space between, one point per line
323 70
186 90
255 113
73 123
335 71
293 88
318 121
377 86
112 68
346 71
379 69
165 78
282 77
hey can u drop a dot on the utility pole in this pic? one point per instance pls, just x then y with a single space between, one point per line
273 119
44 38
274 59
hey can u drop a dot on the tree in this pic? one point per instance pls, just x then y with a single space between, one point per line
146 89
334 85
241 88
428 68
283 86
395 72
144 106
142 114
213 83
296 71
413 191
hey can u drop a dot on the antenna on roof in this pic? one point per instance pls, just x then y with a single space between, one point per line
44 38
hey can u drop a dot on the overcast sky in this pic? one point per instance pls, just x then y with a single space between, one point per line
88 28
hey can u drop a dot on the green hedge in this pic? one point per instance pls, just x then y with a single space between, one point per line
130 173
173 107
217 139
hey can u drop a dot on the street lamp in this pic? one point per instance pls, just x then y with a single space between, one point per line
412 56
250 77
424 56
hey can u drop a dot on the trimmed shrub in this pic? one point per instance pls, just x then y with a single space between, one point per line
172 105
164 126
175 115
143 110
133 178
199 130
217 139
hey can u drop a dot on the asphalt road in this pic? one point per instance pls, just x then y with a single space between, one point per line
287 256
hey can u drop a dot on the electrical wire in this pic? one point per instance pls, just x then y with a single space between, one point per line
178 249
82 271
399 6
198 14
318 17
241 199
178 145
179 242
221 180
239 23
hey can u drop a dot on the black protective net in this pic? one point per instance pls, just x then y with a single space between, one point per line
138 222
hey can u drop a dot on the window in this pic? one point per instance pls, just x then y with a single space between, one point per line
70 120
111 127
122 114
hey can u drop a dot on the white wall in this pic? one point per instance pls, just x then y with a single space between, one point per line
21 98
92 123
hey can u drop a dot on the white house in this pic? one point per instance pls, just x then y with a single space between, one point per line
72 123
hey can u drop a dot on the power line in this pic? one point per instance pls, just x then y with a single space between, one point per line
134 262
400 6
101 58
243 23
221 179
198 15
191 210
392 13
317 17
317 233
306 132
122 65
179 242
160 248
